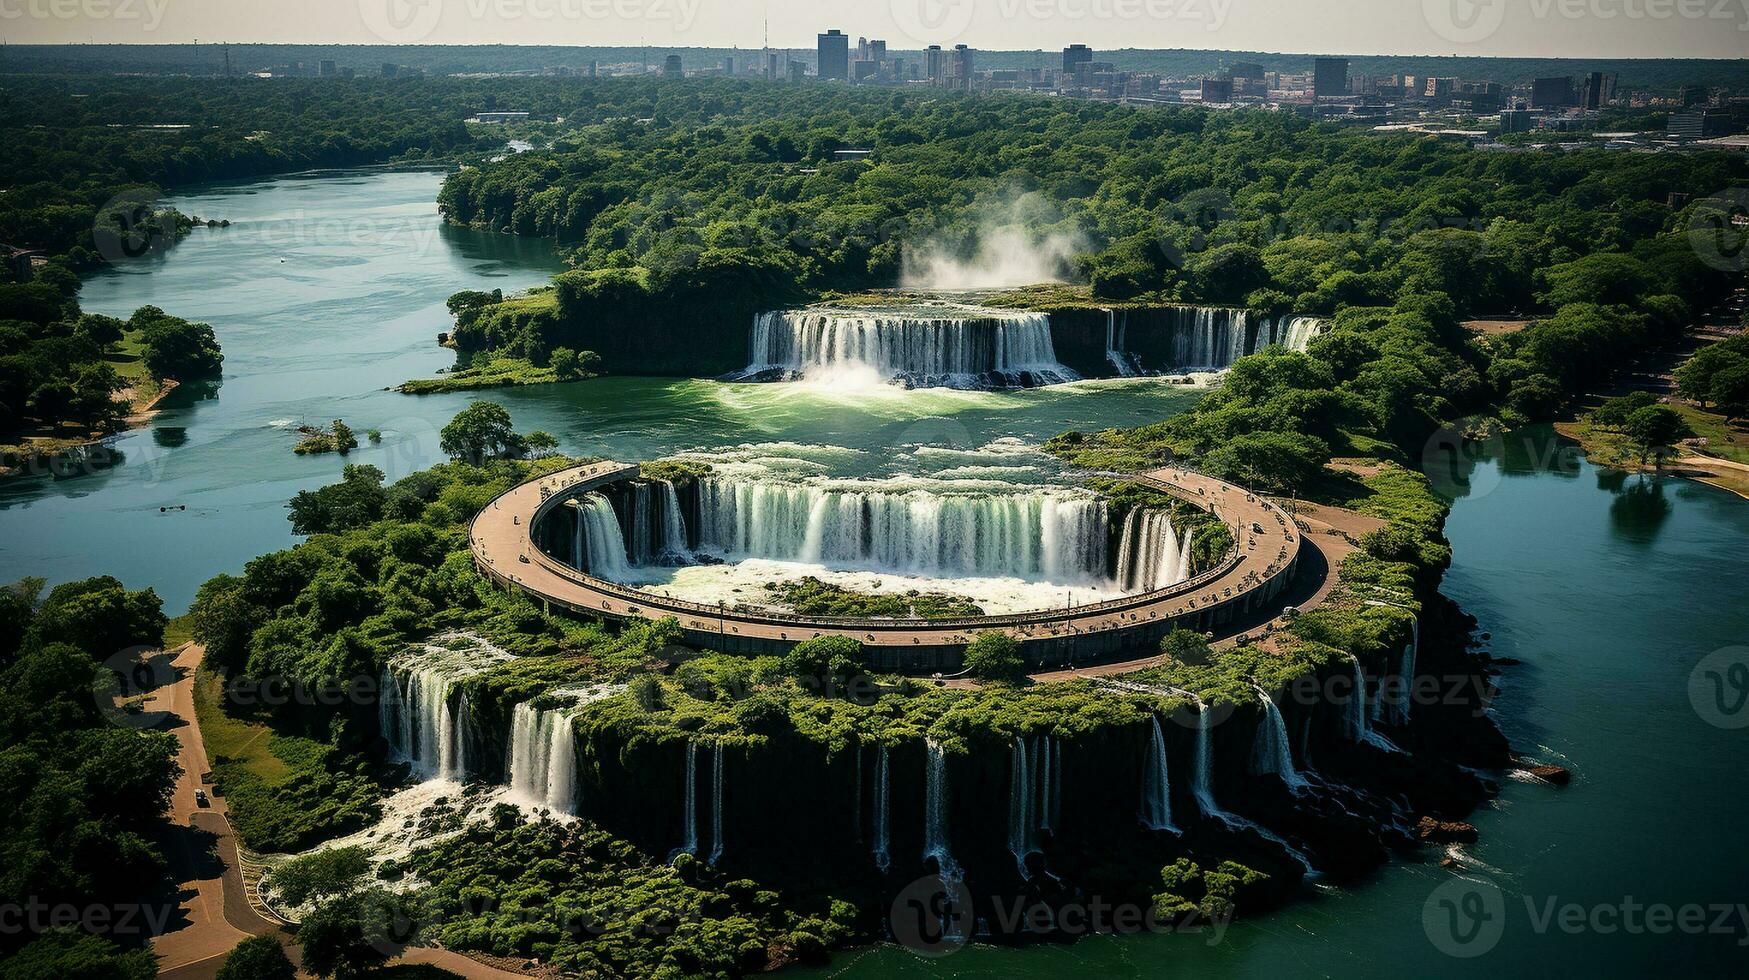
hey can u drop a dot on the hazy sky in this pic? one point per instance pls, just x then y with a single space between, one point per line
1565 28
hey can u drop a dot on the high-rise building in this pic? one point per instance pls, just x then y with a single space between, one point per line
728 64
1515 121
772 67
877 51
1551 93
1599 89
959 68
671 66
832 55
390 68
328 70
1246 69
1075 54
1329 77
935 65
1217 90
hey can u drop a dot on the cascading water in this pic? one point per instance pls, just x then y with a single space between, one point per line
716 804
1356 717
1157 785
420 712
1049 536
1212 338
1202 787
543 757
882 837
936 810
1126 364
690 797
933 346
1022 829
1270 754
1150 554
599 541
1405 697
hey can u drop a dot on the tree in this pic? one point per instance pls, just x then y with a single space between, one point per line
995 656
564 362
480 432
831 662
66 954
257 958
172 347
357 500
100 616
1185 646
1694 379
344 440
1730 389
1613 413
223 618
1654 430
17 610
540 443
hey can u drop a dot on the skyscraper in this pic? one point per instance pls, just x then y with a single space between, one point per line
959 68
1075 54
1599 89
832 55
1551 93
1329 77
935 65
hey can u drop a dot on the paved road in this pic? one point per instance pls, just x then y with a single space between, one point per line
503 550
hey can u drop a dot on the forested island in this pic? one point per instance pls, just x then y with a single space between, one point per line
1207 776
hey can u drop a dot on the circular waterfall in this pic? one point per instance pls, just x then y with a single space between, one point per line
738 533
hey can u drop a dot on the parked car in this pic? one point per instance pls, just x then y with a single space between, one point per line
200 798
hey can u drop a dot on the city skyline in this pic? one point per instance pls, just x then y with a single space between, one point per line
1538 28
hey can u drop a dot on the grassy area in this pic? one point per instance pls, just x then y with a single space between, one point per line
1724 440
484 372
811 597
286 792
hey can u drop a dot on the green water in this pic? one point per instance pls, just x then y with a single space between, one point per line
1612 590
328 289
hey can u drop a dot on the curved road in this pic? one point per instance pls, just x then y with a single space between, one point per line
1269 547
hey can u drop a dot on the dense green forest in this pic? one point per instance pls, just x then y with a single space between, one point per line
1662 74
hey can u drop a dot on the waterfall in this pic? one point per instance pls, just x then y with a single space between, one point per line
673 521
1048 536
1405 693
940 345
543 757
882 838
1122 361
1157 785
716 804
1050 761
936 813
1214 337
421 712
1150 555
601 541
1022 831
1202 787
1270 754
690 807
1355 717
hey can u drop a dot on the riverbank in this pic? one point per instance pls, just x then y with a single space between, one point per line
41 452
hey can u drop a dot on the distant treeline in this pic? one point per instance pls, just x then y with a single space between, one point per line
209 59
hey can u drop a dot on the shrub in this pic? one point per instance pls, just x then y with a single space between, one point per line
995 656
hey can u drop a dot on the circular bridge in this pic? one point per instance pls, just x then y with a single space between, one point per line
1256 571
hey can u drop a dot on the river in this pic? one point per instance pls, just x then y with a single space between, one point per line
328 289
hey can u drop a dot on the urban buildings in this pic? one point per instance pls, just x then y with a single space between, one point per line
832 55
1329 77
